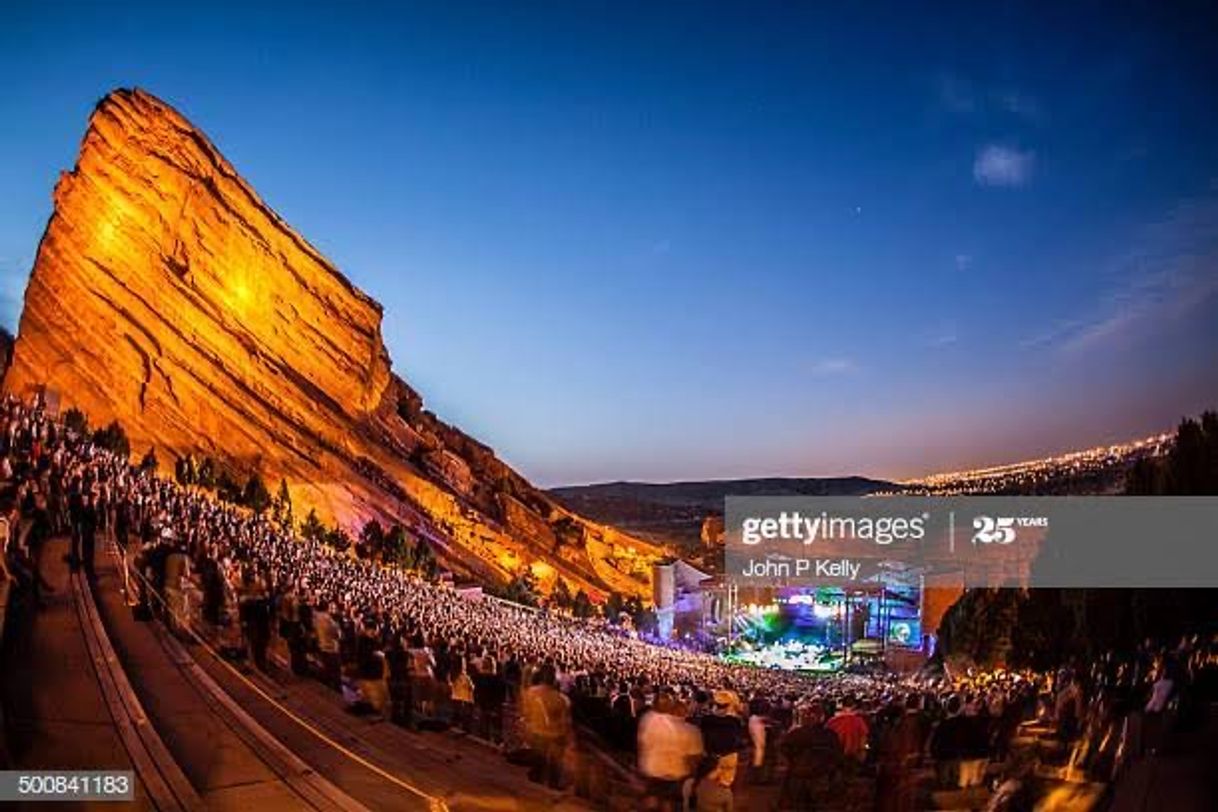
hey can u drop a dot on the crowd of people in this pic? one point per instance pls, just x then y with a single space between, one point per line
542 685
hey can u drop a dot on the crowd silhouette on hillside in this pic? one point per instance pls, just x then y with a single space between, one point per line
546 687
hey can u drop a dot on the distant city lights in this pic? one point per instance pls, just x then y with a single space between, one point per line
1025 476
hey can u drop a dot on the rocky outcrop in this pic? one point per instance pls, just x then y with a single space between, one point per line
166 294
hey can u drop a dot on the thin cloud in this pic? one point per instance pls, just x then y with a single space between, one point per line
1143 302
1019 104
1167 277
963 262
1052 334
961 97
944 336
828 367
997 165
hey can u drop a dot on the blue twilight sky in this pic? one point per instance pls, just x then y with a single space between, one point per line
694 240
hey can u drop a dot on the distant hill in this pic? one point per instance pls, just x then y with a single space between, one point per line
710 493
1092 471
672 513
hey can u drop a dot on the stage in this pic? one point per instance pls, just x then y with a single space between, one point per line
793 655
888 619
822 629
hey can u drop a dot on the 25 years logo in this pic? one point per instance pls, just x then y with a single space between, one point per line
1001 529
994 530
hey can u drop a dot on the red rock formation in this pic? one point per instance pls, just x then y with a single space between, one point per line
167 295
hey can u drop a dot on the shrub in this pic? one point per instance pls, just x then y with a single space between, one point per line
75 421
312 528
114 439
256 497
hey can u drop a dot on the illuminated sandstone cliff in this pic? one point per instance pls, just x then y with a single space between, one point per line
166 294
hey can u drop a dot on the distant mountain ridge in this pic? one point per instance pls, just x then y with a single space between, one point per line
710 493
673 512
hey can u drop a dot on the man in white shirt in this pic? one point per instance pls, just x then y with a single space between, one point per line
669 750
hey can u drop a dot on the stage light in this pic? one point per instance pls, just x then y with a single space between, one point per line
822 611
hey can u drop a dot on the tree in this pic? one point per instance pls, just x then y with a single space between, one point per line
184 470
645 621
522 589
337 538
430 567
642 618
113 439
227 488
398 547
149 463
75 421
1145 478
7 340
1047 626
978 625
1190 468
205 476
312 528
561 596
581 605
256 497
371 540
613 607
425 559
1192 464
283 506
